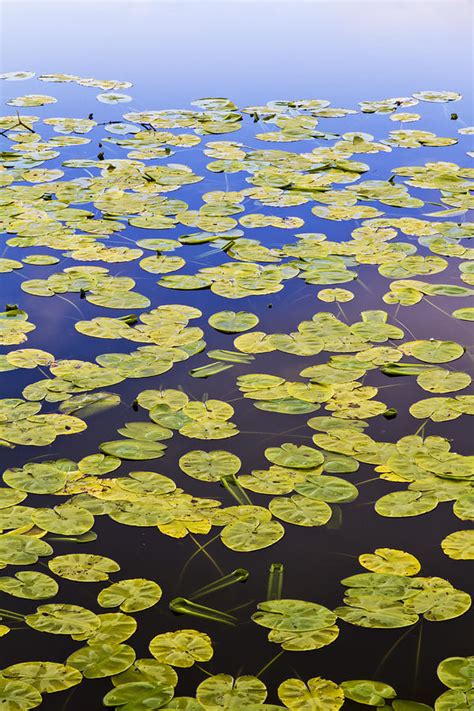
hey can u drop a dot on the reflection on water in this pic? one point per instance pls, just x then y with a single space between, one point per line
253 53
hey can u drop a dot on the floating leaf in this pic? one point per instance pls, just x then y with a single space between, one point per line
301 511
182 648
83 567
459 545
294 456
293 615
29 585
391 561
135 449
251 535
433 351
63 619
372 693
96 661
400 504
233 322
456 672
209 466
317 694
18 695
130 595
45 677
330 489
223 689
144 694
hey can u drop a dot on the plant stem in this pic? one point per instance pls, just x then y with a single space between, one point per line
269 664
391 650
208 555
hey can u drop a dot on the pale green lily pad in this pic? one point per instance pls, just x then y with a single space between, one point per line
209 466
433 351
29 585
439 604
251 535
83 567
464 314
400 504
391 561
130 595
293 615
138 695
18 695
233 322
456 672
224 690
294 456
96 661
115 627
182 648
318 694
300 510
133 449
439 380
63 619
22 550
459 545
65 519
45 677
372 693
330 489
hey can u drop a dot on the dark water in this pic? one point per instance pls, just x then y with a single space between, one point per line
251 52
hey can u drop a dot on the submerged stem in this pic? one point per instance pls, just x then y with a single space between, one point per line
12 615
233 487
187 607
199 550
421 427
239 575
275 581
269 664
418 654
391 650
208 555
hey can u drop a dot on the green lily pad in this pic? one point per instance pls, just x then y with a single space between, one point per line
293 615
18 695
182 648
459 545
83 567
317 694
371 693
96 661
294 456
300 510
456 672
433 351
140 694
29 585
209 466
130 595
135 449
390 561
401 504
224 690
65 519
63 619
45 677
233 322
331 489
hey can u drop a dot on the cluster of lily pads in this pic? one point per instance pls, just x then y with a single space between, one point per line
94 210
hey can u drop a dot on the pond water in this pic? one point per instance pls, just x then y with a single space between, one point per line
339 223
